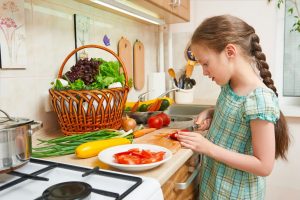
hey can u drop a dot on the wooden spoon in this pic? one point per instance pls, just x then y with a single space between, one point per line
173 75
189 70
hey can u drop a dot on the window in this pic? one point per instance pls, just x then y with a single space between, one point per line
291 59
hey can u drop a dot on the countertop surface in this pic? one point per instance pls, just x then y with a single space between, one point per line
162 173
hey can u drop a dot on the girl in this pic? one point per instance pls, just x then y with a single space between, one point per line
247 130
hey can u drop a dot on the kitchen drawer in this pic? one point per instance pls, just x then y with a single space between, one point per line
184 183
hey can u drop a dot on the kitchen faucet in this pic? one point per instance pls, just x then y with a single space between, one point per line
141 97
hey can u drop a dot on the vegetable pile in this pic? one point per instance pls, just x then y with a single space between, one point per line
157 104
136 156
67 145
159 120
95 73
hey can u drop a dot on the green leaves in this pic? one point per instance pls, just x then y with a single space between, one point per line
77 85
109 72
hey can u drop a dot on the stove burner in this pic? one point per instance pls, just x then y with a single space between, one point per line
73 190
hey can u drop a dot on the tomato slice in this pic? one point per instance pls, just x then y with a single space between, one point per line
159 155
134 150
173 136
146 153
128 159
136 156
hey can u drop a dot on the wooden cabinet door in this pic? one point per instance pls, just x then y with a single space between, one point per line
179 8
182 175
182 9
164 4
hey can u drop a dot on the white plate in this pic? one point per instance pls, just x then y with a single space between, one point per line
107 156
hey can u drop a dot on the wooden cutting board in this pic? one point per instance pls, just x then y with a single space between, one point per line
125 53
159 137
138 65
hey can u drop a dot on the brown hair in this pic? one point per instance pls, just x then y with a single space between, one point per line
219 31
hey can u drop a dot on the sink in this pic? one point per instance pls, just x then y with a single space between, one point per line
187 110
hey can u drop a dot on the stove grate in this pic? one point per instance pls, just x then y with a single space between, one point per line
85 172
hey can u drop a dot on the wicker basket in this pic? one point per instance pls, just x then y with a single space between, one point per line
81 111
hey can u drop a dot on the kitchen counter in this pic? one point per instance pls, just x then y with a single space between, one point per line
162 173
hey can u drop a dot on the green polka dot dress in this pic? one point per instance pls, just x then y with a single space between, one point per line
230 129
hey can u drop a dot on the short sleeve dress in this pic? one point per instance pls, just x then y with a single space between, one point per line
230 129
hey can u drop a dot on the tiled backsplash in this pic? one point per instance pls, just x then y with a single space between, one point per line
50 38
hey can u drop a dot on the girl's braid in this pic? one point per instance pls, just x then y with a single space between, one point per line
261 63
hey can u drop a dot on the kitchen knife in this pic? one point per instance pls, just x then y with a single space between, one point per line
192 128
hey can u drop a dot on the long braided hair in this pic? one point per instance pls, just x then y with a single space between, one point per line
216 32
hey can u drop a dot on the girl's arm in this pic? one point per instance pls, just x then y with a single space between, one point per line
263 141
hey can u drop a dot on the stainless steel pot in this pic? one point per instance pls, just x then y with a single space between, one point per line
15 141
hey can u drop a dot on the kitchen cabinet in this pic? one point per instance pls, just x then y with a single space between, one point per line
179 8
169 11
184 183
172 11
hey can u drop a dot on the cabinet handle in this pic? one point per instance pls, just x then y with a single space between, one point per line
183 186
174 3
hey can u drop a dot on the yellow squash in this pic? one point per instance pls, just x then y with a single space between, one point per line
131 104
91 149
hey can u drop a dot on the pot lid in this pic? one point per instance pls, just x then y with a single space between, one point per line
12 122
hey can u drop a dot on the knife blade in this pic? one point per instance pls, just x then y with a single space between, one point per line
192 128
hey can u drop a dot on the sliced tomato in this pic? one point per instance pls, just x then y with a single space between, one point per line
159 155
136 156
134 150
128 159
146 153
122 153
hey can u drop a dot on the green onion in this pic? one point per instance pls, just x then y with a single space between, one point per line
67 145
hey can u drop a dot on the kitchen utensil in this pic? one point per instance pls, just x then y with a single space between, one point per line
173 75
181 81
189 70
193 81
15 137
125 53
138 65
107 156
188 74
189 83
192 128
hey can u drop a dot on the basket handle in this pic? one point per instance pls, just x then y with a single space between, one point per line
93 46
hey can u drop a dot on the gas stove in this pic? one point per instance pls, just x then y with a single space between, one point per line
41 179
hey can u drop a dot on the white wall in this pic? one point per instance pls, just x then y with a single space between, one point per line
50 38
284 182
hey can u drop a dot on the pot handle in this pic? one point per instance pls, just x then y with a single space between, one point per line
7 115
36 125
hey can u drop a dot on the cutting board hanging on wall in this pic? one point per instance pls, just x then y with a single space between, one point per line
138 65
125 53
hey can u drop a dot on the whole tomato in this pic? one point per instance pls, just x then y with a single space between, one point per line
166 119
155 122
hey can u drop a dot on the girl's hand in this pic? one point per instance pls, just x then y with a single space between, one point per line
194 141
204 119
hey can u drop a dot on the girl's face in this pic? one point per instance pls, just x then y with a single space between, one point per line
215 65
